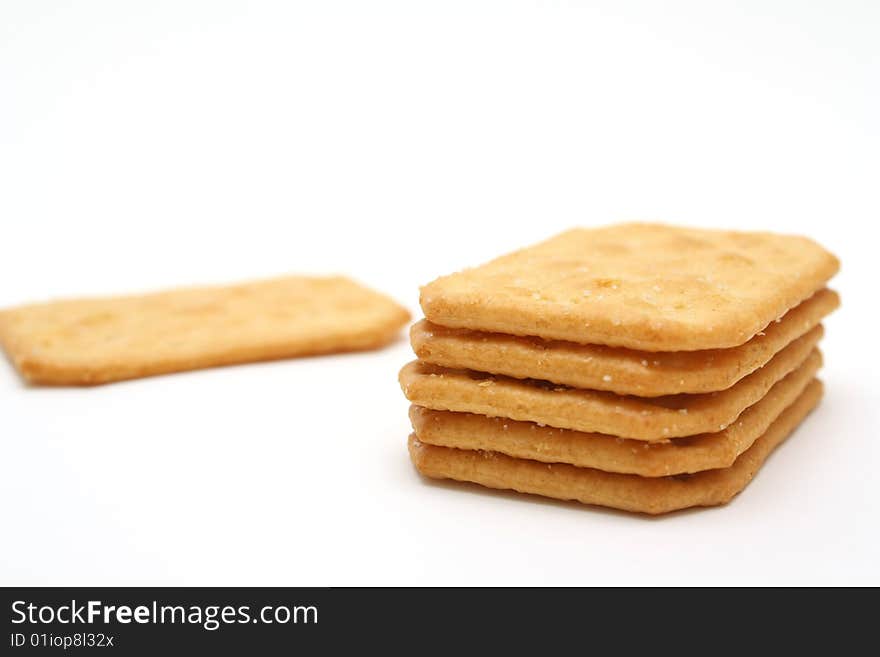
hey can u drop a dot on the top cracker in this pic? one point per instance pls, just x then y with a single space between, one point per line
644 286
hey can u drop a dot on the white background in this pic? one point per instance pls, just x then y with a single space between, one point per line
146 145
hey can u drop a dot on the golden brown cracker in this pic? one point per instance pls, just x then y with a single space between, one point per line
642 286
652 495
527 440
641 418
90 341
616 369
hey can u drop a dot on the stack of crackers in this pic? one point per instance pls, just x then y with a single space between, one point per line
642 367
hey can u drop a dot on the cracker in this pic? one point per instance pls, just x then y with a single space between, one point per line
620 491
616 369
642 286
641 418
92 341
526 440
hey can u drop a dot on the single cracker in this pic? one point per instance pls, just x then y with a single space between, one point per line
619 491
92 341
641 418
642 286
616 369
527 440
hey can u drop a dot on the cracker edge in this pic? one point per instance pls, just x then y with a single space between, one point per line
443 351
410 379
723 457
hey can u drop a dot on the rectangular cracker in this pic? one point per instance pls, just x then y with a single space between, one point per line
90 341
616 369
652 495
643 286
641 418
527 440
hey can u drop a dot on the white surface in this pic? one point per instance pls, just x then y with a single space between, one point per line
152 144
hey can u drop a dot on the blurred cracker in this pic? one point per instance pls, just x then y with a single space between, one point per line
91 341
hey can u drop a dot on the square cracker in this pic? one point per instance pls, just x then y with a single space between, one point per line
527 440
643 286
619 491
640 418
616 369
90 341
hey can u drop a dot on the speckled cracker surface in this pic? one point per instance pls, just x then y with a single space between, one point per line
527 440
616 369
640 418
643 286
620 491
91 341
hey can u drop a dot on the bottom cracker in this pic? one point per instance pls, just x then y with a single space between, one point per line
619 491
